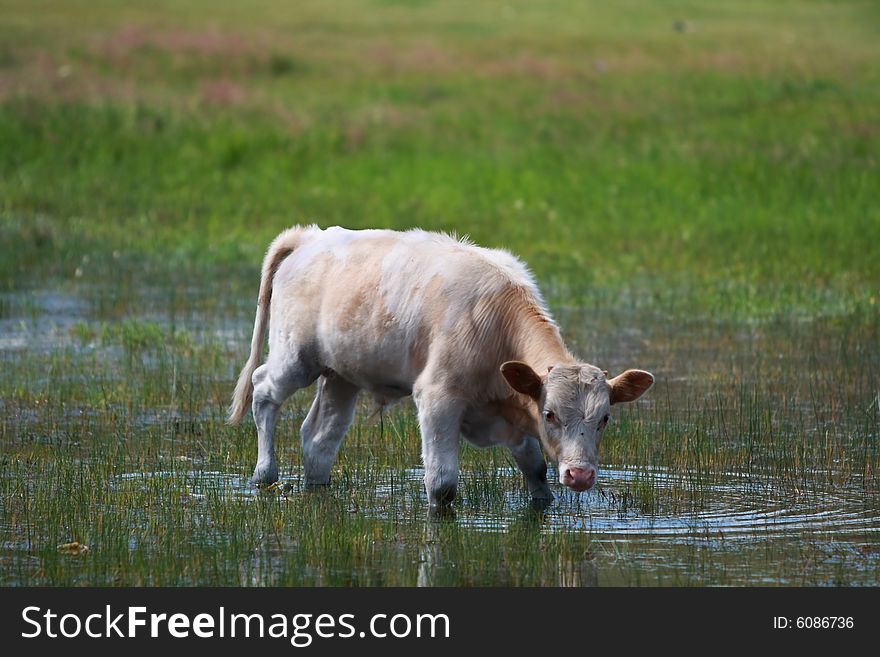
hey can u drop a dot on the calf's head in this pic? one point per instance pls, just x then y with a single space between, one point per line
574 406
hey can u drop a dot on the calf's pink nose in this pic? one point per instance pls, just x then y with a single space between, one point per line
579 479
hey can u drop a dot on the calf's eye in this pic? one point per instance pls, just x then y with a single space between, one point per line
550 416
604 420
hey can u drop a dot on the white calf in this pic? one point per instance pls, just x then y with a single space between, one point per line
461 328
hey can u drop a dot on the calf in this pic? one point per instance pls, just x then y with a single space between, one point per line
463 329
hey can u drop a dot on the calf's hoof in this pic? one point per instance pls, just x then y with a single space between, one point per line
441 513
265 474
442 495
542 493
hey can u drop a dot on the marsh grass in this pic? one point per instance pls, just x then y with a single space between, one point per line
113 435
695 186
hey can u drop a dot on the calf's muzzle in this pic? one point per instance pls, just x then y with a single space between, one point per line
579 479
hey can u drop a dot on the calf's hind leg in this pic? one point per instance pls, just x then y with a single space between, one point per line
273 383
325 426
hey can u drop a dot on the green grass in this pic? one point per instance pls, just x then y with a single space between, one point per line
732 164
694 183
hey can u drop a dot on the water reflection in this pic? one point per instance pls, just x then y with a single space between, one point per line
431 550
584 572
438 552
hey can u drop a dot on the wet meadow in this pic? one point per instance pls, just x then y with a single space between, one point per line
695 186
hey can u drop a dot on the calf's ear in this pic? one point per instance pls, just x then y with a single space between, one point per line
522 378
629 386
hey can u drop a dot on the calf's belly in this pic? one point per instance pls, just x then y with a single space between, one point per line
380 369
483 428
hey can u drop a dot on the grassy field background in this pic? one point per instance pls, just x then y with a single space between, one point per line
695 184
719 153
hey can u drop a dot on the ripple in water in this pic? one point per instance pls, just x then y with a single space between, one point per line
731 505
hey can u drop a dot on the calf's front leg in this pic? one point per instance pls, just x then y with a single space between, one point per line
531 463
440 424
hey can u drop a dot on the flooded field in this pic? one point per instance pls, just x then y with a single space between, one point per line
694 184
753 460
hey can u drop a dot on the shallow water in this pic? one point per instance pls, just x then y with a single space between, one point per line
739 523
754 460
734 508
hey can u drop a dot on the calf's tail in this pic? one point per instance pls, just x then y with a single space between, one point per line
281 247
